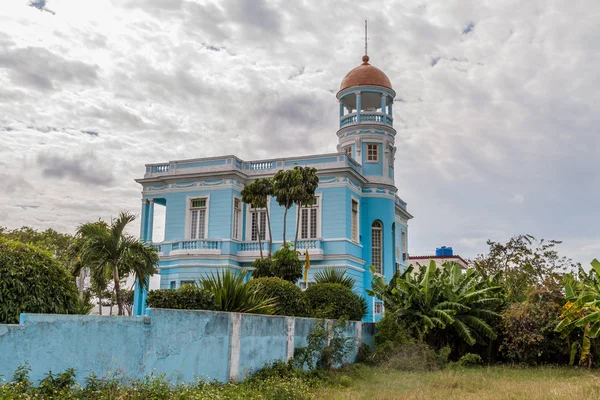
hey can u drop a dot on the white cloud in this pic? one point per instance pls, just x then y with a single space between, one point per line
505 111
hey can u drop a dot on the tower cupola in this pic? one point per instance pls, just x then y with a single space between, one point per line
367 131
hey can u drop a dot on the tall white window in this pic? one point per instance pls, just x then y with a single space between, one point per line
198 219
258 223
354 220
237 219
377 246
309 217
373 152
378 308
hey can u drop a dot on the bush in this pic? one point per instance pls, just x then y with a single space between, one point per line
187 297
470 360
33 282
263 268
290 299
528 327
286 264
390 330
414 356
333 301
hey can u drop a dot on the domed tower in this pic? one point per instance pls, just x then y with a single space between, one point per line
367 131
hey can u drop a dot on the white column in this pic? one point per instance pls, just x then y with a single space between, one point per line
235 346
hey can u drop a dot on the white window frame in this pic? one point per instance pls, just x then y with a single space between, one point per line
357 239
318 198
367 155
249 222
236 234
188 216
378 268
378 308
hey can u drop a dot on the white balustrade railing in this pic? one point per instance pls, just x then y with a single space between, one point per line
201 244
367 116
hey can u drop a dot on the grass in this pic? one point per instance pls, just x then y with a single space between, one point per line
484 383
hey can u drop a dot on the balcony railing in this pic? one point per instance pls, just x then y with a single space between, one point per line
367 117
254 246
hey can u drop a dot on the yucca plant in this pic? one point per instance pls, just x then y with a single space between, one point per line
335 275
582 312
434 299
232 294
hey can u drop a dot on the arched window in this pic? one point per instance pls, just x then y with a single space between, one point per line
377 246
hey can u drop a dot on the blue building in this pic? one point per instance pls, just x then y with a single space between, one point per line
357 220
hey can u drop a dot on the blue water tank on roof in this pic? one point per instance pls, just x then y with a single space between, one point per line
443 251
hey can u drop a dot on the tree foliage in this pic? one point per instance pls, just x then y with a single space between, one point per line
522 263
284 264
56 243
528 327
109 252
32 281
257 195
432 300
306 195
287 189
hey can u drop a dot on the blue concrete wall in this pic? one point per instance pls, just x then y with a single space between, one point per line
184 345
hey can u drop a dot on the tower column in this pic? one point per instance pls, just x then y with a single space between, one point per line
390 108
341 110
358 106
150 218
383 98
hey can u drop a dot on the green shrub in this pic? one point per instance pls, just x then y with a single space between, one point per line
286 264
263 268
290 299
390 330
333 301
470 360
187 297
33 282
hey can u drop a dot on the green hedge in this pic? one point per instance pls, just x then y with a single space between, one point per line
291 300
334 301
187 297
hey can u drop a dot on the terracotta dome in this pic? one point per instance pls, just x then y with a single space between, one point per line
365 74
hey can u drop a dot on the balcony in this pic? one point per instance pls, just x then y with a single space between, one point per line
189 247
251 169
367 117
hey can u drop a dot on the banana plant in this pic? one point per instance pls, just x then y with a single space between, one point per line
434 298
581 313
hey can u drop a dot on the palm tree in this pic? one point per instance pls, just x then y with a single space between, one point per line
287 188
257 195
432 299
108 251
305 196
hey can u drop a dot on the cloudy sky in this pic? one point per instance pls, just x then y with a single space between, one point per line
497 133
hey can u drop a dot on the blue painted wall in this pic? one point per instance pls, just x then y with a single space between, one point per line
372 168
184 345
